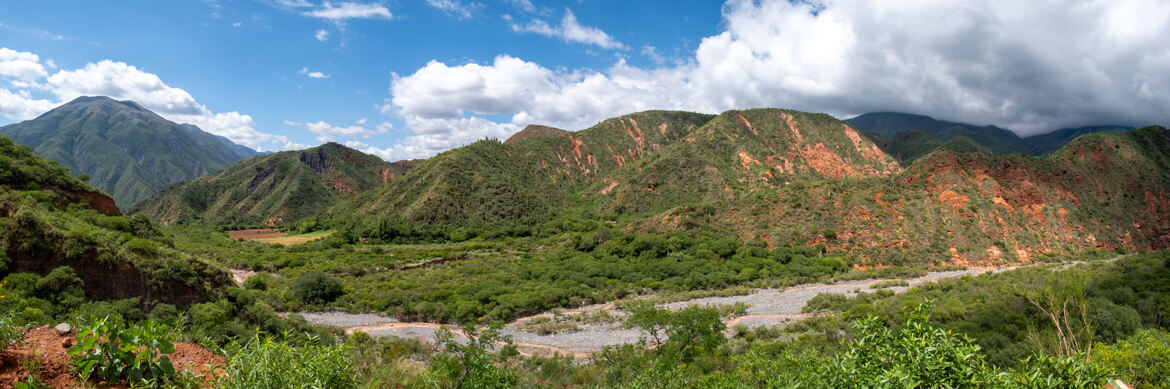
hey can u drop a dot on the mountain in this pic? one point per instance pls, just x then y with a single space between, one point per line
789 178
49 219
1046 143
625 167
1104 191
125 149
888 124
906 135
524 180
274 188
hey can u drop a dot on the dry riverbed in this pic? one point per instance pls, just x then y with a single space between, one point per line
766 308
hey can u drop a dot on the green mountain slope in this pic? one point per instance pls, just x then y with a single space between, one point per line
1102 191
126 150
738 153
525 180
275 188
49 219
789 178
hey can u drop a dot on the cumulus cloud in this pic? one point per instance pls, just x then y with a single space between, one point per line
321 35
346 10
313 74
455 8
21 65
121 81
328 130
1027 66
569 30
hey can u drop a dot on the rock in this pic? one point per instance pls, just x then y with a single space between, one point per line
63 328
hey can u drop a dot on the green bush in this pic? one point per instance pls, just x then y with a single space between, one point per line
118 353
1142 360
10 333
316 287
265 362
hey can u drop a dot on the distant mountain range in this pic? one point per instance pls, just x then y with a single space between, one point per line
909 136
125 149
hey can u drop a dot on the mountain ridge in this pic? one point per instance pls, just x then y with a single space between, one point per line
125 149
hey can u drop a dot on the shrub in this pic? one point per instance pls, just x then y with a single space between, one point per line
316 288
265 362
9 332
1142 360
117 353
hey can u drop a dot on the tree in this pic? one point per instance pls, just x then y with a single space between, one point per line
316 287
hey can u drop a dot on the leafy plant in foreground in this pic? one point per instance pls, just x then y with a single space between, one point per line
115 352
267 362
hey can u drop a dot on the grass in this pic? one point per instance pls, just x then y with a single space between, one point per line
288 240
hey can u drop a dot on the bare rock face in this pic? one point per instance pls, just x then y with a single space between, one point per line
319 161
63 328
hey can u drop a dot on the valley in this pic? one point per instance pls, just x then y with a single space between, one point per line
686 249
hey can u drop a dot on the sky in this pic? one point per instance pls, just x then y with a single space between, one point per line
406 79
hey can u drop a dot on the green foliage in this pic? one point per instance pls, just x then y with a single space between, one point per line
916 355
289 187
10 332
473 365
116 352
316 287
267 362
1142 360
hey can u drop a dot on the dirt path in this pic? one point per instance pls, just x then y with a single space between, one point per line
766 308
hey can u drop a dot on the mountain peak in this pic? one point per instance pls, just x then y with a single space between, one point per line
126 150
535 131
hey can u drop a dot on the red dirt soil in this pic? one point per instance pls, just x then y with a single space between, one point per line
55 372
256 233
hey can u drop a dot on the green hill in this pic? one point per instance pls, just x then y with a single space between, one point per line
274 188
126 150
49 220
790 178
525 180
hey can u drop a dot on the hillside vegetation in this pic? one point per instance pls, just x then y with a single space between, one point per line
276 188
124 149
788 179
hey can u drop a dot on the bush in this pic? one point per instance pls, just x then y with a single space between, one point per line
10 333
316 288
265 362
117 353
1142 360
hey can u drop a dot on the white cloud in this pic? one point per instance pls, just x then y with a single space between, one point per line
313 74
121 81
237 24
21 106
652 53
21 65
330 131
321 35
569 30
455 8
1028 66
293 3
441 91
347 10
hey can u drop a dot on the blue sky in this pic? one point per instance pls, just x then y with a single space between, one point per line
407 79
